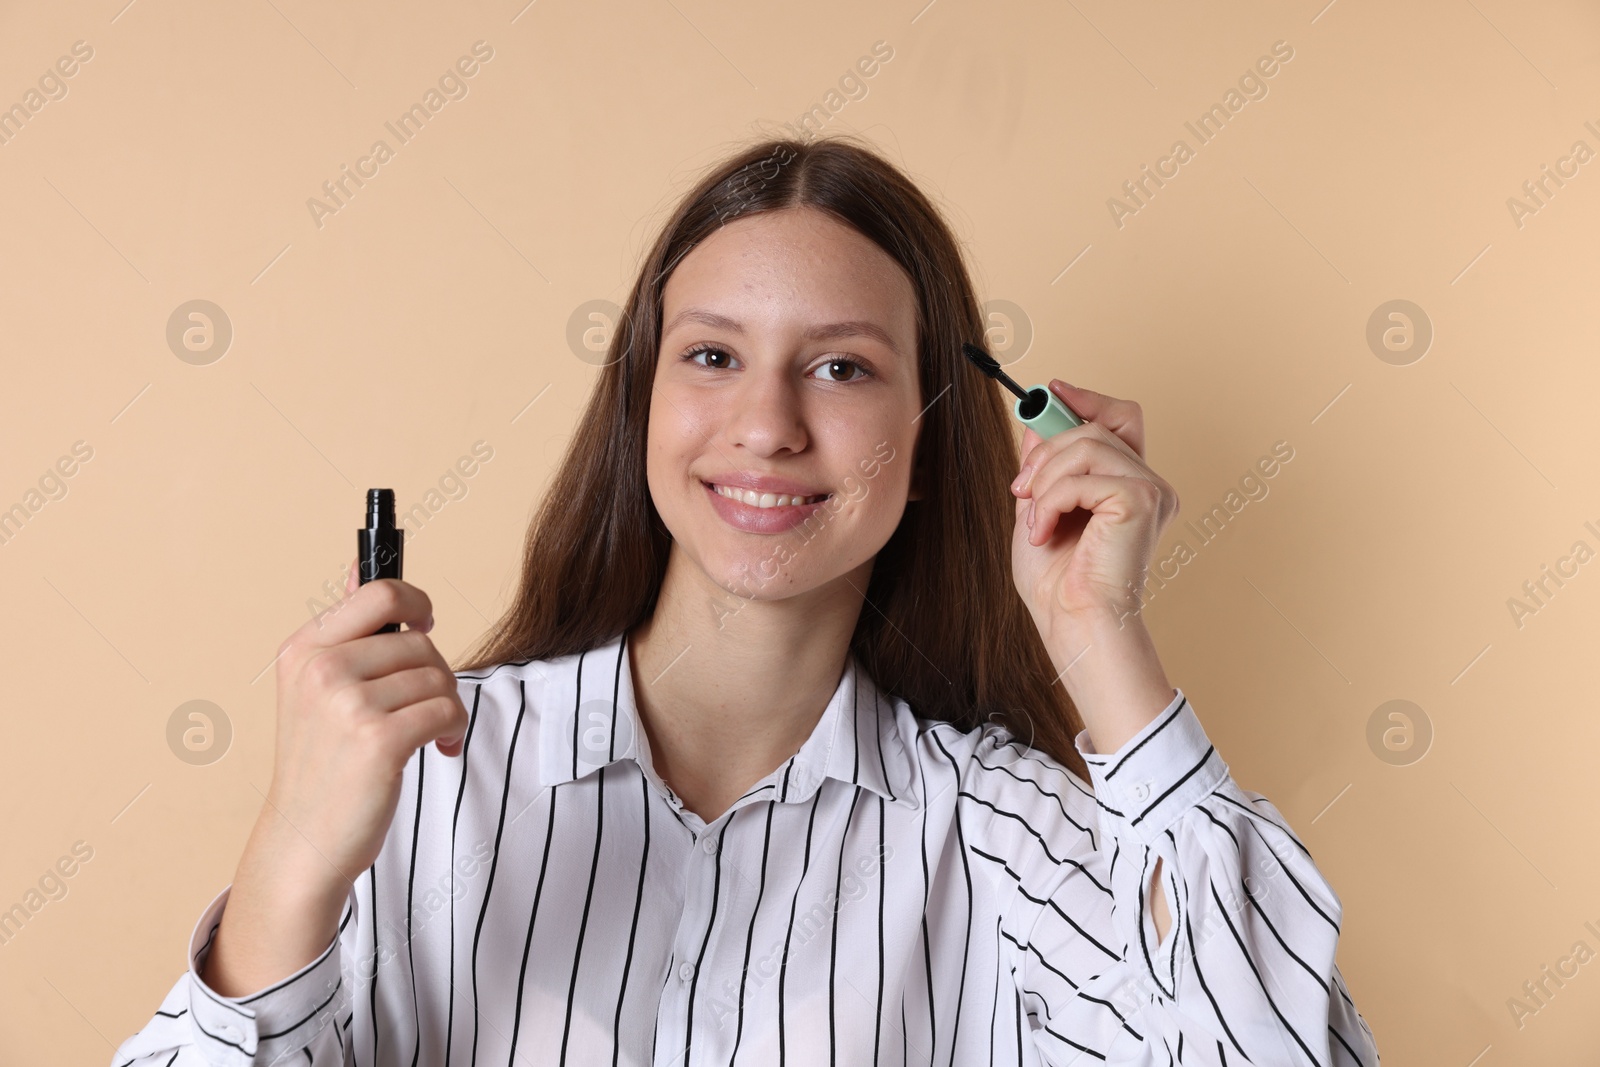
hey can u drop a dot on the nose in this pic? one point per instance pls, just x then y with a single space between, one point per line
767 414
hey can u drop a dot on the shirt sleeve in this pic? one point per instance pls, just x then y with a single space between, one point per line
197 1027
1246 973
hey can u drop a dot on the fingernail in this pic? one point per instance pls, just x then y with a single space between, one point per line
1030 514
1059 384
1021 479
428 625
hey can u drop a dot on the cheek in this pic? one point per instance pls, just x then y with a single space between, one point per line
682 422
674 428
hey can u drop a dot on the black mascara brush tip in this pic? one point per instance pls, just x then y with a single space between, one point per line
981 359
986 363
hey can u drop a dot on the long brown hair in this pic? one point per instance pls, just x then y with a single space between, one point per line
943 627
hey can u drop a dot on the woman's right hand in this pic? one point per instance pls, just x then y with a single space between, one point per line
353 706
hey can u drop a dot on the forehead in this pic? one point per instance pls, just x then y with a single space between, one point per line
796 263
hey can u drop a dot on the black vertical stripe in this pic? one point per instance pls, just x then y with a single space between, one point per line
588 899
372 1007
877 733
749 940
656 1033
833 950
855 734
783 966
633 931
411 881
494 862
1177 920
927 948
994 1007
883 882
577 719
905 1041
966 870
694 982
1017 995
461 790
616 686
533 917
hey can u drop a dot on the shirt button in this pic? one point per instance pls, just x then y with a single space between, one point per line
709 844
686 972
1141 792
229 1033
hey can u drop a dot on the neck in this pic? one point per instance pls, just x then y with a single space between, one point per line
728 689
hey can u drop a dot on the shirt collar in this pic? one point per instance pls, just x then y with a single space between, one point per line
590 720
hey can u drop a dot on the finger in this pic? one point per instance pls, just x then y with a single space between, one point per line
1030 441
386 693
1085 449
1118 499
1122 417
374 657
364 612
442 718
1088 453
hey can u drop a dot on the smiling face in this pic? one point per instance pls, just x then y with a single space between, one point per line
788 366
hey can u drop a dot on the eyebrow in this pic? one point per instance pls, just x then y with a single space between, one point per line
829 331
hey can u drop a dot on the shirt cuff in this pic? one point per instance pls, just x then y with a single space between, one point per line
1156 776
262 1027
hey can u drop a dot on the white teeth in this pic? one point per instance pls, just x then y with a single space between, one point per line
764 500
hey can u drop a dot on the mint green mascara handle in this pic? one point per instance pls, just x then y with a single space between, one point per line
1044 413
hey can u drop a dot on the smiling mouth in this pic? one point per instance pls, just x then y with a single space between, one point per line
764 500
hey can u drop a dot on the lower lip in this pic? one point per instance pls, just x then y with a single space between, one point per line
750 519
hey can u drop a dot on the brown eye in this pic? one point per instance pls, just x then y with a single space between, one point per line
834 364
708 351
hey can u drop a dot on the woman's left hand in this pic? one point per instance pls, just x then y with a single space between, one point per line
1080 566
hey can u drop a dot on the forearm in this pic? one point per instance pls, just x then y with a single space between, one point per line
283 911
1111 671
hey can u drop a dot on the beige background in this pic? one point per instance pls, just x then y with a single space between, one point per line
433 308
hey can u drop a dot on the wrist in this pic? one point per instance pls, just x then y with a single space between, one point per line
1109 667
279 857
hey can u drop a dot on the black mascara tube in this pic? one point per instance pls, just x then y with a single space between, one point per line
380 544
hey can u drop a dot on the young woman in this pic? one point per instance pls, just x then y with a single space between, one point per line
804 740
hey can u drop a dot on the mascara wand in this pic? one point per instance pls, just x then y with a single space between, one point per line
1037 408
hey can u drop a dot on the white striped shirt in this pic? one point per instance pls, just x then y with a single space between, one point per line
897 892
